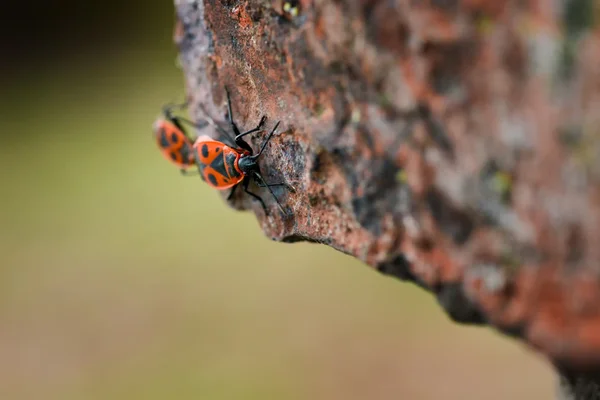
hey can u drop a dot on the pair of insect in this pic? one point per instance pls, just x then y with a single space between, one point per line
221 165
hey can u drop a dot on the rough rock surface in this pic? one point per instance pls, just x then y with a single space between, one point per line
453 143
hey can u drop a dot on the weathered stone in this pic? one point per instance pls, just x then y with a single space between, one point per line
451 143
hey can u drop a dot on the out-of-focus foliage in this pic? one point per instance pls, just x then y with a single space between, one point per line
120 279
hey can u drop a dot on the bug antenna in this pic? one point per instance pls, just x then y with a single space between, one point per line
262 181
169 107
264 145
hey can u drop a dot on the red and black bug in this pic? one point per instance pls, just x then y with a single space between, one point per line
172 139
220 165
223 166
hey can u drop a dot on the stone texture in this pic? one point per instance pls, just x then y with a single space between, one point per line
452 143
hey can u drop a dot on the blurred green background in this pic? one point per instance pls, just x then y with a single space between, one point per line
115 282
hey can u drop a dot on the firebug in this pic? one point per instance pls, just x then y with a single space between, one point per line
222 166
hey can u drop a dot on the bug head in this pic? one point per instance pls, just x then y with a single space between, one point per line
168 111
248 165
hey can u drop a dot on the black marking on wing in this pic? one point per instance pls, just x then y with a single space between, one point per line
218 164
204 150
212 179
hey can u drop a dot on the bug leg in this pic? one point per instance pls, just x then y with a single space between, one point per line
258 127
186 172
198 125
232 192
168 108
230 112
238 136
261 182
257 197
242 143
264 145
287 185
